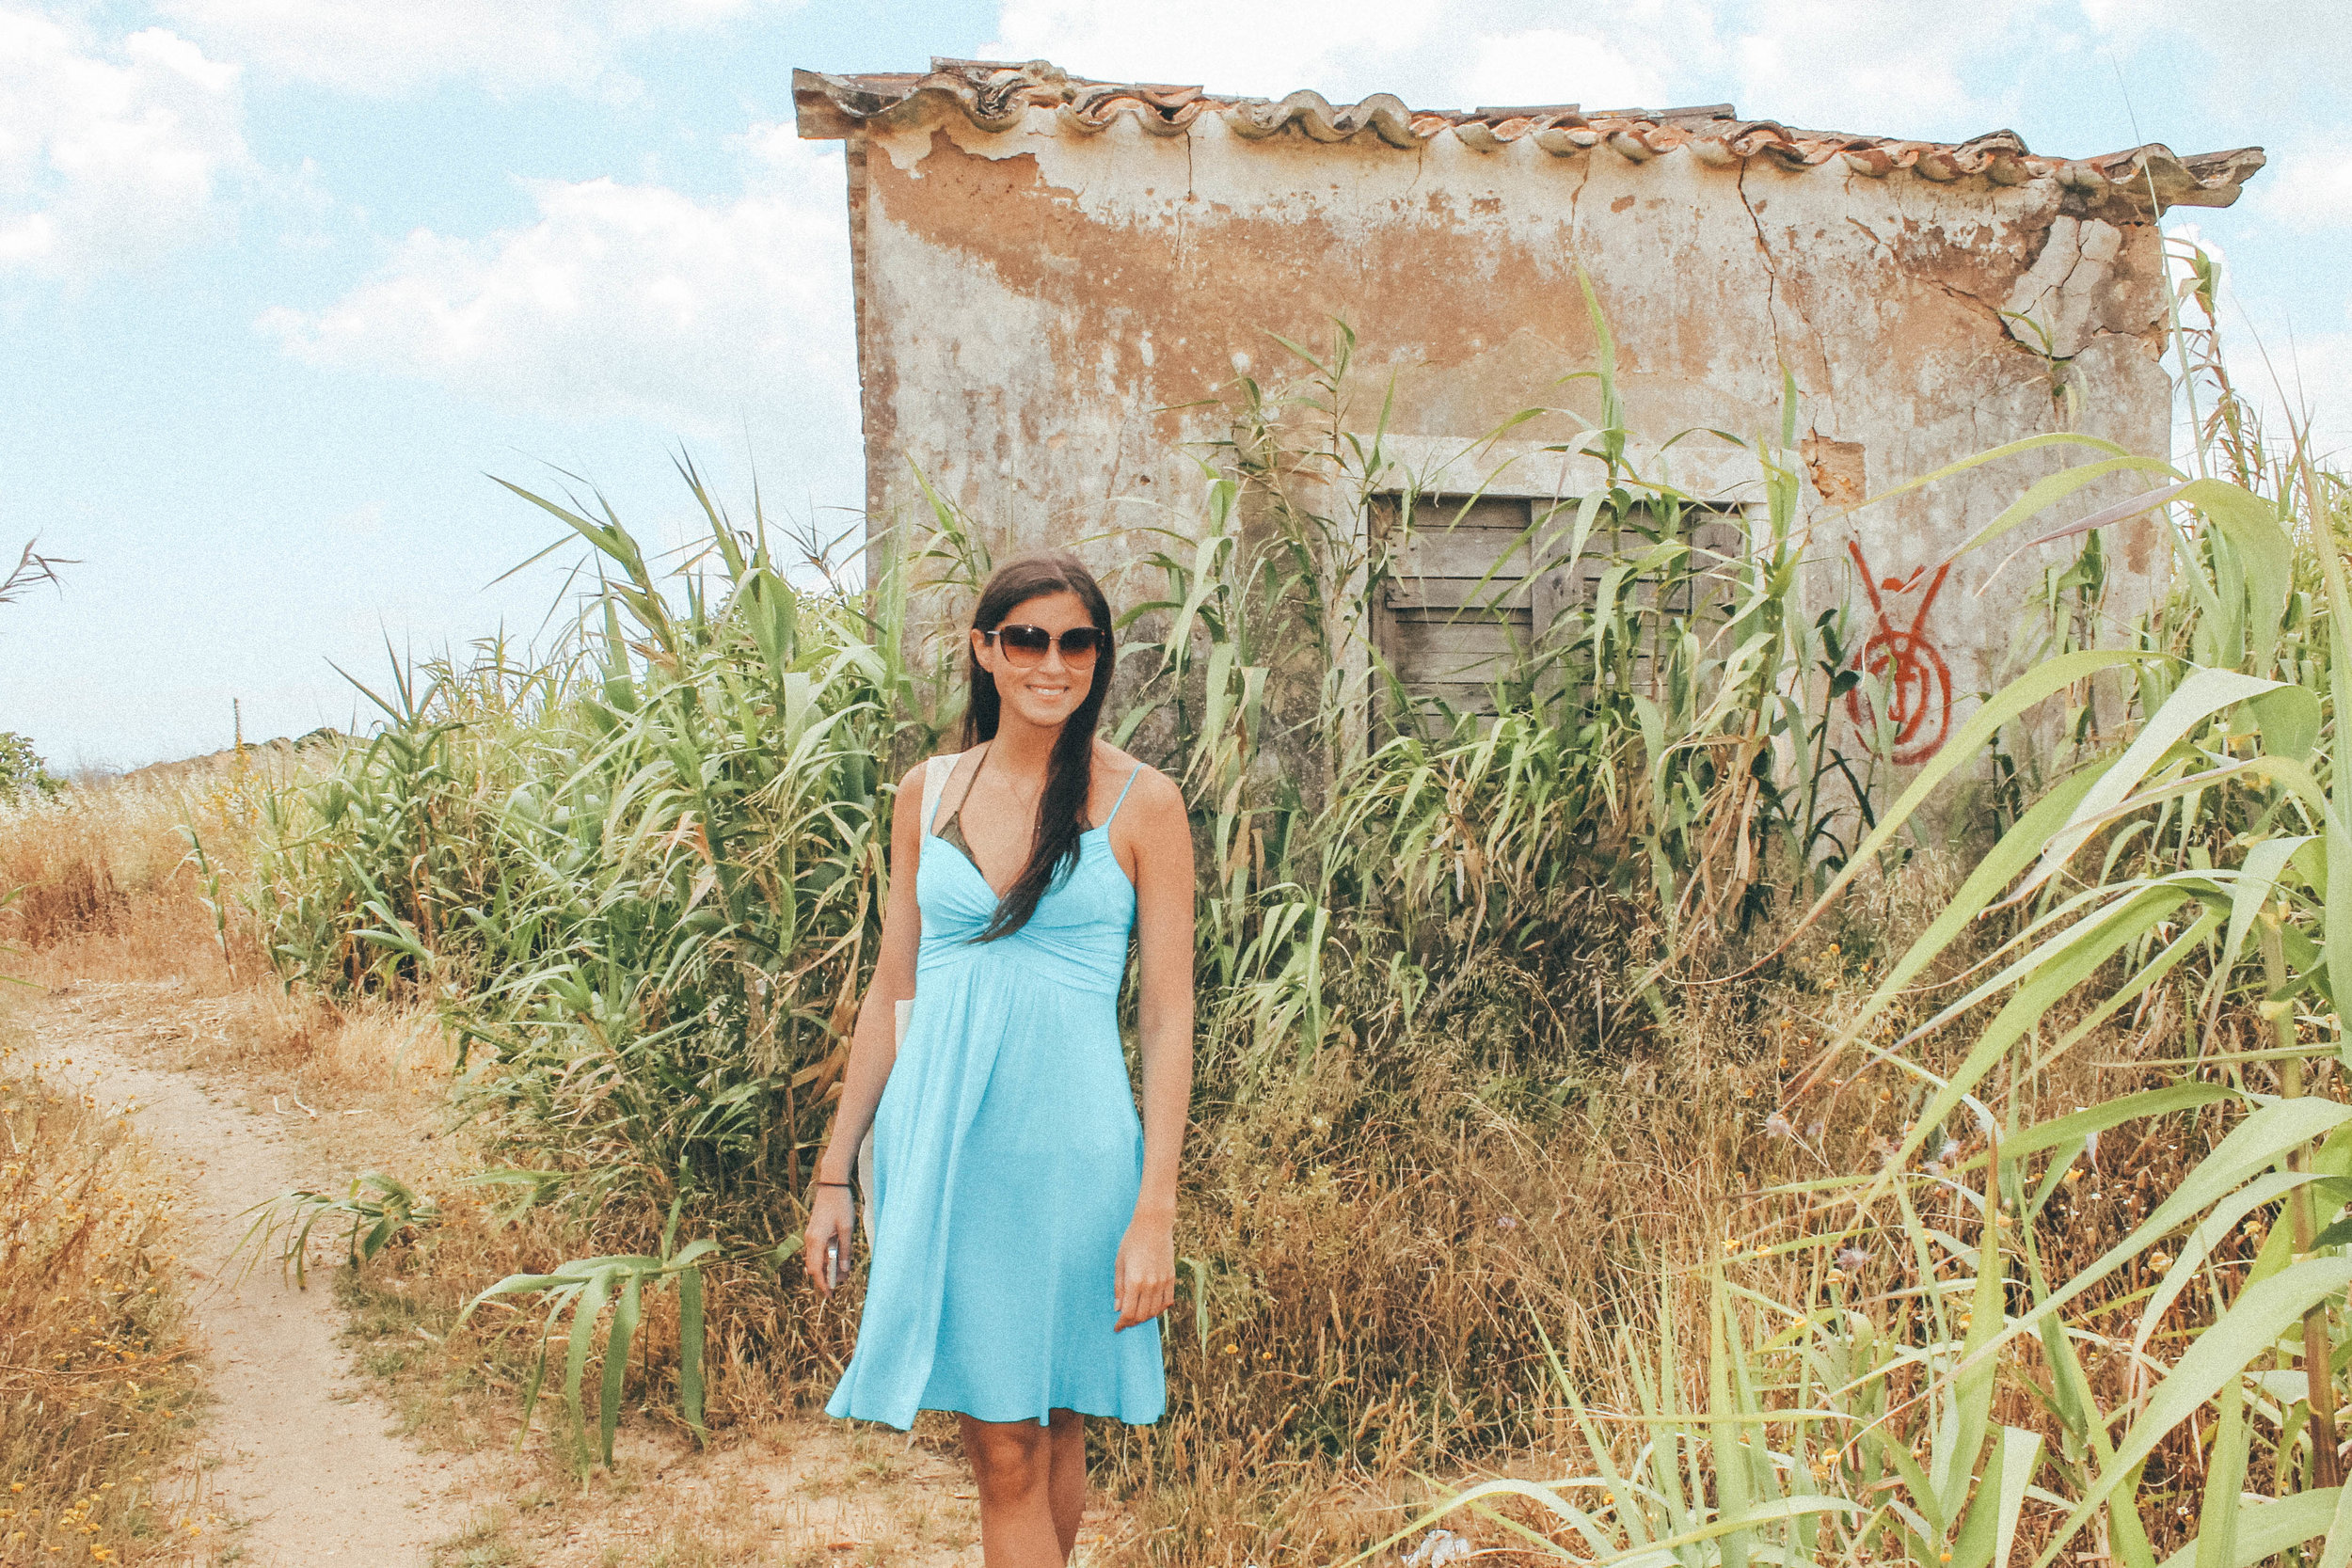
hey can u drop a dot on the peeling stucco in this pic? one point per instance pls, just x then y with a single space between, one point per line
2074 289
1046 313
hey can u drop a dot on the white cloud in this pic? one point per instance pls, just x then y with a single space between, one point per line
2306 190
1896 67
1345 48
110 155
1827 62
374 49
631 301
1551 64
2269 52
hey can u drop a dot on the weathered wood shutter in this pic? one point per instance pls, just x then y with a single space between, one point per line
1459 614
1468 597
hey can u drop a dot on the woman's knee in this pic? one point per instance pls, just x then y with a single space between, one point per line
1008 1458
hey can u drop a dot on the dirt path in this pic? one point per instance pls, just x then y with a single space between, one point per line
296 1458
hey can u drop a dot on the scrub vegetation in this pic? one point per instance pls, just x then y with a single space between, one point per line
96 1380
1643 1096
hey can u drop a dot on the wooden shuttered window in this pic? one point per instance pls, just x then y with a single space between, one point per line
1445 634
1473 585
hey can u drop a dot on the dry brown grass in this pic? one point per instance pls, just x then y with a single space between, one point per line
1370 1250
133 891
298 1040
97 1381
107 883
1379 1264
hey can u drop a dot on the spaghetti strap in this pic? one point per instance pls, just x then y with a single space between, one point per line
1122 795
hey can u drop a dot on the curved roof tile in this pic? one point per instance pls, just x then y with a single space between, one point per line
997 96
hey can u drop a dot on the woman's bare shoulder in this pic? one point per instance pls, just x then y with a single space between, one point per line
1112 763
1153 788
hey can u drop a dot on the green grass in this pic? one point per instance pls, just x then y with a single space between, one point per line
1507 1025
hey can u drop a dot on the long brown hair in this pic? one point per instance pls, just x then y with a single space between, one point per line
1069 771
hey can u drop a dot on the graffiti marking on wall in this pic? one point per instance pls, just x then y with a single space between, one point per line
1917 682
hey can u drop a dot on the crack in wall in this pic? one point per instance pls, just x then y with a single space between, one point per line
2000 321
1184 209
1772 273
2004 320
1828 392
1829 380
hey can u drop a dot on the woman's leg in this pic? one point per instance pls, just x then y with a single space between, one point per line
1012 1463
1068 1488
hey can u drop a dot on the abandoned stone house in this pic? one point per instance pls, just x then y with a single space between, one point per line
1053 274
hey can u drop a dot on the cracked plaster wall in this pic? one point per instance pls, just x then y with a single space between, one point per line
1038 308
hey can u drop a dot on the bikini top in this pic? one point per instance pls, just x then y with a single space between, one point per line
1077 936
951 831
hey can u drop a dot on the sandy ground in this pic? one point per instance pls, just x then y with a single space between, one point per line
295 1458
299 1460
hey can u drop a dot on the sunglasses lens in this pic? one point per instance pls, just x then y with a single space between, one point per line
1025 644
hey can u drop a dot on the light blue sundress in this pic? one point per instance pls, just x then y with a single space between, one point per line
1007 1158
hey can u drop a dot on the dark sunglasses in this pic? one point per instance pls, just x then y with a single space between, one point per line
1023 646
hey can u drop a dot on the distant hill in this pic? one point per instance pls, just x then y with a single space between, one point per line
181 768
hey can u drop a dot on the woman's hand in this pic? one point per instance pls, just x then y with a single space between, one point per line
832 1219
1145 1278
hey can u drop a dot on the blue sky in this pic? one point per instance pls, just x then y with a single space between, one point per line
281 281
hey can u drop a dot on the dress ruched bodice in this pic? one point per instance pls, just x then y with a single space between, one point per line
1077 938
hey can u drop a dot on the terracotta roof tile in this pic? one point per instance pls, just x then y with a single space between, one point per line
997 96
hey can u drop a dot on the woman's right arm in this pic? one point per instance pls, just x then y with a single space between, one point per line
874 1041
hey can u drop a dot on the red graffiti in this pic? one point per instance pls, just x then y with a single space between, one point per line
1917 683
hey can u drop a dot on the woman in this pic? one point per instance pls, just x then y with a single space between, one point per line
1023 1219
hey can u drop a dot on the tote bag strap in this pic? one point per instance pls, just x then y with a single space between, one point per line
935 775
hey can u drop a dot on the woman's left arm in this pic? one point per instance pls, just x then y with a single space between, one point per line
1146 1275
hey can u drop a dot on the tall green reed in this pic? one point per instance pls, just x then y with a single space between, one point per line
645 873
642 877
1968 1410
